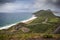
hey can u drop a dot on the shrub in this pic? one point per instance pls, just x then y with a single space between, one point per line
47 36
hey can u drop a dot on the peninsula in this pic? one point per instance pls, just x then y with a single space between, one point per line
43 26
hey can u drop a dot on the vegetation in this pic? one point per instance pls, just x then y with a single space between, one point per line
47 36
44 25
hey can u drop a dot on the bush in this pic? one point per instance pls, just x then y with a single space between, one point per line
47 36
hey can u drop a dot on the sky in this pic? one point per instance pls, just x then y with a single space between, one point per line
28 5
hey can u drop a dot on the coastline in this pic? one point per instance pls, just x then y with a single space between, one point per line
32 18
23 21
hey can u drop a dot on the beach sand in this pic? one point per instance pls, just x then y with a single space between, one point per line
24 21
32 18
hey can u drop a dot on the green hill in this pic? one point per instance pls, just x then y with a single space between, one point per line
45 13
46 22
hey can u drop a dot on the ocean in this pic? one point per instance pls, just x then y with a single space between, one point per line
11 18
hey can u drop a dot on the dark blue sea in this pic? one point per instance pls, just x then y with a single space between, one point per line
10 18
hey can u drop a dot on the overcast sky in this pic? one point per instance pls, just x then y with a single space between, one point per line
28 5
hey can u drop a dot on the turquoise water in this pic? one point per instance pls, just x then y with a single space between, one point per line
10 18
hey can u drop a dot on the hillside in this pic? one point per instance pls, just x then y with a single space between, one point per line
45 23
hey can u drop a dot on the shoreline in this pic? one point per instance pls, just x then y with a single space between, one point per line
27 20
23 21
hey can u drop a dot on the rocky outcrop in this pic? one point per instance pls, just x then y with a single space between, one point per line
24 29
57 31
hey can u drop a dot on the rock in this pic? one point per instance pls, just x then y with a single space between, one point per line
24 29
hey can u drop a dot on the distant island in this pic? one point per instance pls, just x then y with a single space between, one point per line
42 25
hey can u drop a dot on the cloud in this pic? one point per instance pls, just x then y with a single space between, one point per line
39 3
18 6
27 5
4 1
22 6
54 5
56 2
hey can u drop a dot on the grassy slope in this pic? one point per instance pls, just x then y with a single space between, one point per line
45 23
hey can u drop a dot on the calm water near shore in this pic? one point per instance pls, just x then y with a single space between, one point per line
10 18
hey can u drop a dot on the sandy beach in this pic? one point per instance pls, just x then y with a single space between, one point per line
24 21
32 18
